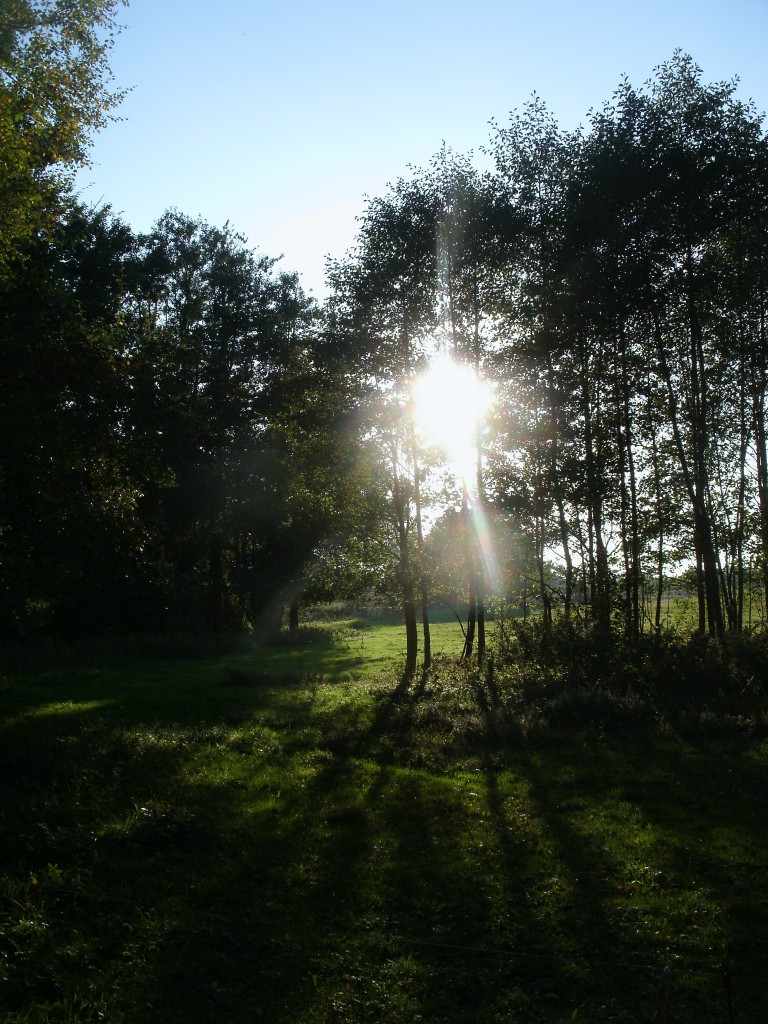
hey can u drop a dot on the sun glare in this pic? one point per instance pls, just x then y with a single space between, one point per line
450 403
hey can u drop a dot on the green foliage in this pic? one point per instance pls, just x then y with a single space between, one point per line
189 443
55 92
69 544
167 432
672 672
608 282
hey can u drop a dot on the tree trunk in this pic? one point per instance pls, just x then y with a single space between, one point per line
761 444
469 635
406 577
759 387
411 630
426 633
557 487
599 573
632 526
420 551
546 602
695 485
660 526
479 522
216 595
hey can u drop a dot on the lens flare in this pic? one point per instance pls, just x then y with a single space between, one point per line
449 404
486 548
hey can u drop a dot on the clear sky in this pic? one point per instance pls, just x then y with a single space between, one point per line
280 117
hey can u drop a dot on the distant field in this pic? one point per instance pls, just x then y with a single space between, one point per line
294 834
363 647
389 641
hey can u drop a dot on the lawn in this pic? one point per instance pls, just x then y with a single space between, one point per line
293 833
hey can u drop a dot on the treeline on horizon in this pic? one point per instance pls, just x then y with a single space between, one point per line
190 442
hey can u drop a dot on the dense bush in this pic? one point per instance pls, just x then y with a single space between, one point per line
571 672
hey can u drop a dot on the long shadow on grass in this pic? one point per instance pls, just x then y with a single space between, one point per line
138 893
380 892
82 847
362 897
703 806
577 956
617 959
329 874
409 934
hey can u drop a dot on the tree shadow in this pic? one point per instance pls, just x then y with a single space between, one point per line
609 960
375 902
330 874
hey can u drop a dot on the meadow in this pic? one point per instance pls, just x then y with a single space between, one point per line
292 832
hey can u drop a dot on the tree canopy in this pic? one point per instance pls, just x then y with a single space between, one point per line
189 441
56 90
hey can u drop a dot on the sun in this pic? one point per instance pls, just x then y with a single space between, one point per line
449 404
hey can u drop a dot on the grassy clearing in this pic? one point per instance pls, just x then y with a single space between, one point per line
295 834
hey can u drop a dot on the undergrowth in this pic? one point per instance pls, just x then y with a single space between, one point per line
571 672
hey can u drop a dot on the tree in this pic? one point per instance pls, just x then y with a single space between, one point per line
693 154
71 540
382 312
547 358
474 231
55 92
216 342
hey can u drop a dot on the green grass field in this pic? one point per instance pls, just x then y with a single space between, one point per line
293 833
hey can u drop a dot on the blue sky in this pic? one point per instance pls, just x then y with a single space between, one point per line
281 117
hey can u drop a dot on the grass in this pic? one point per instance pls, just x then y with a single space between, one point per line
296 834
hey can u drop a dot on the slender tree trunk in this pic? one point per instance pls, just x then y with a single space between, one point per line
710 610
420 550
701 595
406 574
411 630
565 542
601 608
479 519
591 576
628 459
546 600
736 609
759 387
700 445
624 529
469 636
216 582
660 527
557 487
761 446
585 560
540 519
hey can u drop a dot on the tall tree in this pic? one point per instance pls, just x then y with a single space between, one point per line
56 90
71 541
474 232
544 334
214 335
383 311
